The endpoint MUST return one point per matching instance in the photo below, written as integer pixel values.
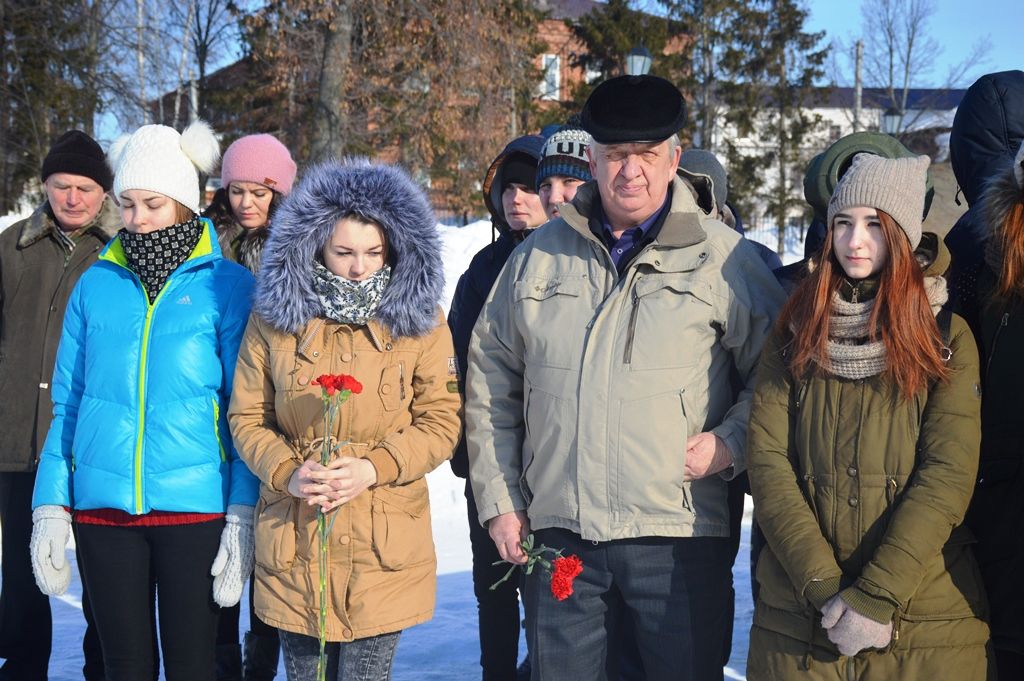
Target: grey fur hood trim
(106, 223)
(305, 221)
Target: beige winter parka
(405, 422)
(584, 385)
(381, 573)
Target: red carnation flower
(332, 383)
(565, 570)
(350, 383)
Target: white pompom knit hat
(159, 159)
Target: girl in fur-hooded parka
(862, 446)
(350, 284)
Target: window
(550, 86)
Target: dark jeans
(365, 659)
(499, 609)
(121, 566)
(675, 591)
(26, 626)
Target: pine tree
(775, 63)
(610, 31)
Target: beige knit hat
(159, 159)
(894, 185)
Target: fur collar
(328, 192)
(1001, 194)
(42, 223)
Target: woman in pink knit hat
(257, 171)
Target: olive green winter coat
(858, 489)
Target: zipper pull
(1006, 319)
(854, 295)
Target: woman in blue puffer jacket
(139, 454)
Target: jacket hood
(531, 145)
(987, 130)
(41, 223)
(304, 223)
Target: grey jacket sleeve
(495, 427)
(754, 301)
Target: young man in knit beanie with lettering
(563, 166)
(257, 172)
(41, 259)
(138, 454)
(863, 449)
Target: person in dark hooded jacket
(510, 183)
(987, 131)
(988, 290)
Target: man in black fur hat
(610, 377)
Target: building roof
(878, 98)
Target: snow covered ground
(447, 647)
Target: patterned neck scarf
(346, 301)
(154, 256)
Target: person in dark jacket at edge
(987, 287)
(41, 259)
(510, 194)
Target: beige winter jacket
(583, 386)
(406, 422)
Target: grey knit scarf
(851, 352)
(347, 301)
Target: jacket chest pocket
(395, 388)
(552, 314)
(670, 322)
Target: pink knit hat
(261, 159)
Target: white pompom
(116, 151)
(201, 146)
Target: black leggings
(120, 565)
(227, 627)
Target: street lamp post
(638, 61)
(891, 120)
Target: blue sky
(956, 25)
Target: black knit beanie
(519, 168)
(78, 154)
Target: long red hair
(901, 317)
(1011, 277)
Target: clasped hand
(330, 486)
(850, 631)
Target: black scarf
(155, 255)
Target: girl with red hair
(863, 447)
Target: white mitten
(51, 529)
(235, 557)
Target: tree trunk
(329, 116)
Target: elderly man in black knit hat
(41, 258)
(609, 384)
